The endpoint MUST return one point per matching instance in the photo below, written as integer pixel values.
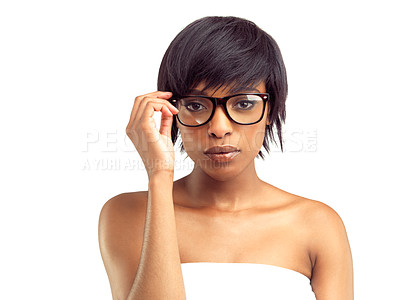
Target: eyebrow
(239, 90)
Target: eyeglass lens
(243, 109)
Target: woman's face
(220, 131)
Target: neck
(234, 194)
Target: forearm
(159, 274)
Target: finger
(163, 95)
(153, 106)
(139, 100)
(144, 103)
(166, 122)
(159, 94)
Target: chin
(218, 176)
(220, 171)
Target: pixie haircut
(226, 51)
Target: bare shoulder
(310, 212)
(320, 213)
(120, 215)
(121, 227)
(123, 201)
(329, 249)
(321, 220)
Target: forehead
(225, 90)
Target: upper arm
(332, 275)
(121, 227)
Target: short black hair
(226, 51)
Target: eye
(244, 104)
(194, 106)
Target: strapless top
(245, 281)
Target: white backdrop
(69, 73)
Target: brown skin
(229, 186)
(227, 214)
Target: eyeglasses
(243, 109)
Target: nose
(219, 125)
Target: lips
(225, 157)
(221, 149)
(224, 153)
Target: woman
(252, 239)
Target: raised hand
(155, 146)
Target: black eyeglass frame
(222, 101)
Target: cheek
(191, 139)
(261, 129)
(252, 139)
(249, 140)
(260, 135)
